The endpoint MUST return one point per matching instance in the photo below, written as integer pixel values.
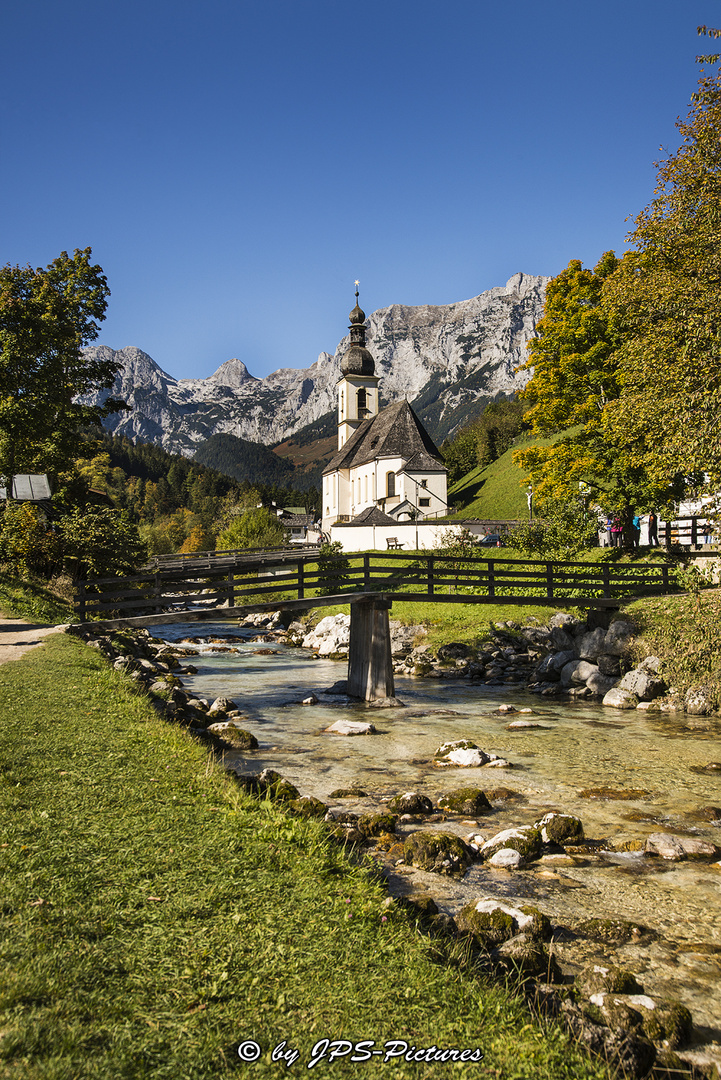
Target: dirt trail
(18, 637)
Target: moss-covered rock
(595, 979)
(275, 786)
(491, 922)
(465, 800)
(348, 793)
(376, 824)
(526, 840)
(411, 802)
(669, 1022)
(529, 959)
(462, 754)
(233, 736)
(614, 931)
(308, 807)
(560, 828)
(442, 853)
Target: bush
(563, 530)
(27, 542)
(256, 528)
(101, 543)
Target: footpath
(18, 637)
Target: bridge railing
(426, 576)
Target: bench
(393, 543)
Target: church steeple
(358, 385)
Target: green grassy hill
(498, 491)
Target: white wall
(413, 536)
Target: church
(387, 468)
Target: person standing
(636, 531)
(652, 530)
(617, 532)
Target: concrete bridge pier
(370, 667)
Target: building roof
(371, 516)
(395, 432)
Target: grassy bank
(153, 917)
(33, 601)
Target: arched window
(390, 484)
(362, 404)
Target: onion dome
(357, 360)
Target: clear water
(579, 747)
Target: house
(386, 458)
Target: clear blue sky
(236, 165)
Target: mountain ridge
(449, 359)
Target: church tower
(358, 384)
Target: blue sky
(235, 166)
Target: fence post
(301, 579)
(664, 577)
(156, 591)
(366, 572)
(491, 580)
(549, 581)
(231, 589)
(431, 582)
(694, 531)
(606, 581)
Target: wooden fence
(437, 578)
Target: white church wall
(414, 536)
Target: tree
(665, 303)
(256, 528)
(46, 317)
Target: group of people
(616, 528)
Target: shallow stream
(649, 757)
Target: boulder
(234, 736)
(560, 639)
(609, 665)
(331, 635)
(507, 859)
(462, 754)
(667, 1022)
(675, 848)
(456, 650)
(351, 727)
(644, 684)
(221, 706)
(630, 1054)
(591, 644)
(411, 802)
(618, 637)
(528, 958)
(492, 921)
(441, 853)
(526, 840)
(576, 672)
(600, 684)
(616, 698)
(697, 702)
(596, 978)
(560, 829)
(465, 800)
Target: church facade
(387, 466)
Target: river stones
(462, 753)
(507, 859)
(526, 840)
(351, 727)
(667, 1022)
(465, 800)
(675, 848)
(526, 957)
(377, 824)
(411, 802)
(560, 829)
(441, 853)
(616, 698)
(275, 786)
(221, 707)
(613, 931)
(353, 792)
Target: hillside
(497, 492)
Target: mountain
(448, 361)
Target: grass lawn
(153, 917)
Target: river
(578, 747)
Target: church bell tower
(358, 384)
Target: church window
(390, 484)
(362, 405)
(424, 502)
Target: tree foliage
(255, 528)
(46, 317)
(665, 301)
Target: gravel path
(18, 637)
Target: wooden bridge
(241, 583)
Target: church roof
(396, 431)
(370, 516)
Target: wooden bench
(393, 543)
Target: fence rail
(286, 576)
